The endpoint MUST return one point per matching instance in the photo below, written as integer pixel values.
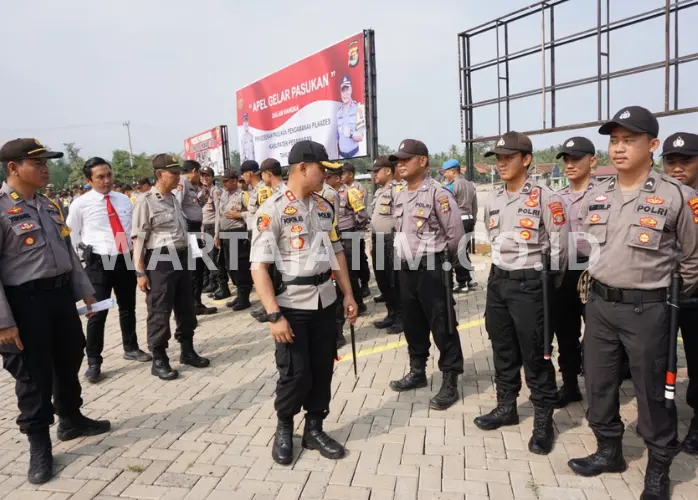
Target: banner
(320, 98)
(208, 148)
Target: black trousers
(364, 270)
(567, 310)
(198, 271)
(386, 277)
(54, 344)
(642, 330)
(305, 366)
(218, 276)
(424, 309)
(688, 322)
(514, 323)
(463, 275)
(170, 290)
(123, 282)
(237, 262)
(354, 271)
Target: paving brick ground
(207, 435)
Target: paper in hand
(194, 247)
(98, 306)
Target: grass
(136, 468)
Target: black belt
(436, 260)
(316, 280)
(625, 296)
(42, 284)
(517, 274)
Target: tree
(75, 163)
(235, 159)
(121, 164)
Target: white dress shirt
(89, 221)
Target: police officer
(160, 251)
(213, 278)
(579, 156)
(247, 149)
(231, 238)
(351, 122)
(637, 219)
(292, 230)
(353, 219)
(192, 200)
(428, 222)
(41, 338)
(680, 153)
(382, 242)
(466, 196)
(521, 218)
(348, 179)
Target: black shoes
(504, 414)
(161, 368)
(397, 326)
(210, 288)
(389, 320)
(93, 373)
(448, 394)
(569, 392)
(282, 450)
(458, 287)
(314, 438)
(242, 302)
(137, 355)
(81, 426)
(365, 291)
(690, 443)
(188, 356)
(415, 379)
(656, 478)
(607, 458)
(378, 299)
(223, 292)
(40, 458)
(362, 308)
(541, 442)
(201, 309)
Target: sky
(75, 70)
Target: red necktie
(116, 228)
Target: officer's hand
(10, 335)
(217, 242)
(88, 302)
(351, 311)
(144, 284)
(281, 331)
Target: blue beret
(450, 164)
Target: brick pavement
(207, 435)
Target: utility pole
(127, 124)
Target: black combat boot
(448, 394)
(656, 478)
(378, 299)
(223, 292)
(188, 356)
(314, 438)
(416, 378)
(341, 339)
(607, 458)
(389, 320)
(40, 457)
(210, 287)
(282, 451)
(242, 301)
(397, 326)
(569, 392)
(690, 443)
(93, 372)
(201, 309)
(504, 414)
(541, 442)
(161, 366)
(80, 426)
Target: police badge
(353, 53)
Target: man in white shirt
(101, 224)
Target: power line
(61, 127)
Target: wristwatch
(140, 273)
(274, 317)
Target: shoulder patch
(263, 221)
(558, 213)
(693, 205)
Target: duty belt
(316, 280)
(517, 274)
(625, 296)
(42, 284)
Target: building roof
(604, 171)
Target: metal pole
(127, 124)
(667, 54)
(542, 58)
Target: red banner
(207, 149)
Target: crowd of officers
(611, 247)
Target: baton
(353, 346)
(545, 281)
(675, 288)
(448, 288)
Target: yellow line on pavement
(401, 343)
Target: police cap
(409, 148)
(229, 174)
(681, 143)
(346, 82)
(22, 149)
(634, 118)
(167, 162)
(577, 147)
(511, 143)
(309, 152)
(449, 164)
(383, 162)
(206, 171)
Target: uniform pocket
(644, 237)
(283, 359)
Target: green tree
(75, 163)
(59, 173)
(121, 164)
(235, 159)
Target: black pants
(123, 282)
(387, 276)
(170, 290)
(688, 322)
(567, 310)
(239, 270)
(424, 310)
(354, 271)
(51, 332)
(642, 330)
(305, 366)
(514, 323)
(463, 275)
(198, 271)
(364, 270)
(218, 276)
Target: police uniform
(637, 233)
(247, 148)
(353, 218)
(287, 232)
(158, 219)
(686, 145)
(213, 278)
(383, 248)
(520, 226)
(350, 121)
(40, 280)
(466, 197)
(428, 222)
(364, 269)
(239, 270)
